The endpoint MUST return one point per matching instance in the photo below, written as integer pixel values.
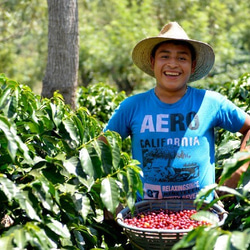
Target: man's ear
(193, 66)
(152, 60)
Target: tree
(109, 29)
(63, 50)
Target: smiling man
(172, 63)
(172, 125)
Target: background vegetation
(108, 31)
(52, 196)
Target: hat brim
(205, 57)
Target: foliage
(23, 37)
(100, 99)
(238, 91)
(57, 177)
(108, 31)
(234, 234)
(108, 59)
(119, 25)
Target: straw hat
(173, 31)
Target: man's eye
(182, 58)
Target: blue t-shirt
(175, 142)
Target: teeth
(171, 74)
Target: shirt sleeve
(231, 117)
(119, 121)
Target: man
(172, 125)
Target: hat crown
(173, 30)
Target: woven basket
(142, 238)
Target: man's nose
(172, 63)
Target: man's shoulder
(211, 94)
(139, 97)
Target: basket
(142, 238)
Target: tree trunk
(63, 50)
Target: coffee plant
(100, 99)
(56, 176)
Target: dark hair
(176, 42)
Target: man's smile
(167, 73)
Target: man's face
(172, 66)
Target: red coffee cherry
(165, 219)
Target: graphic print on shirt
(161, 154)
(157, 165)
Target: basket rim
(120, 216)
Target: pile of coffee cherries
(165, 219)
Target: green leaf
(233, 164)
(201, 196)
(227, 146)
(122, 177)
(106, 157)
(91, 161)
(10, 135)
(58, 228)
(57, 113)
(206, 240)
(10, 103)
(188, 239)
(223, 242)
(230, 191)
(80, 129)
(132, 180)
(37, 236)
(4, 97)
(89, 125)
(20, 239)
(14, 141)
(241, 240)
(84, 237)
(82, 204)
(114, 141)
(206, 216)
(72, 129)
(13, 104)
(43, 190)
(54, 175)
(86, 162)
(71, 165)
(6, 242)
(34, 127)
(79, 240)
(67, 204)
(110, 194)
(26, 204)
